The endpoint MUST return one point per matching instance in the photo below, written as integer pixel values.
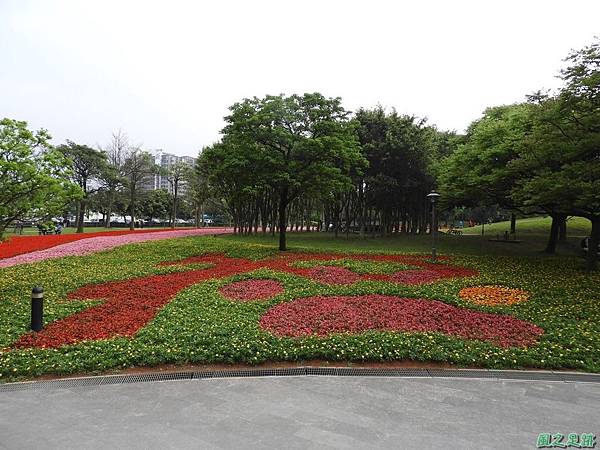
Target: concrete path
(299, 412)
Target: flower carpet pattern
(493, 295)
(323, 315)
(163, 303)
(249, 290)
(86, 243)
(129, 305)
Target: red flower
(333, 275)
(249, 290)
(323, 315)
(128, 305)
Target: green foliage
(562, 158)
(137, 167)
(305, 144)
(478, 173)
(87, 165)
(289, 146)
(156, 204)
(395, 148)
(34, 177)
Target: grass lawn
(576, 226)
(126, 307)
(531, 245)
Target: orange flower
(493, 295)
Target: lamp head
(433, 196)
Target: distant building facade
(161, 180)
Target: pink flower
(100, 243)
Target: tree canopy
(294, 146)
(87, 165)
(34, 177)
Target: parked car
(585, 245)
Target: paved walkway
(299, 412)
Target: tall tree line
(541, 156)
(307, 164)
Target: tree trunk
(80, 216)
(553, 238)
(132, 209)
(283, 200)
(592, 256)
(109, 207)
(174, 210)
(107, 218)
(562, 230)
(513, 223)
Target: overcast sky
(165, 72)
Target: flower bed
(127, 305)
(143, 311)
(17, 245)
(85, 244)
(416, 276)
(322, 316)
(249, 290)
(334, 269)
(493, 295)
(360, 266)
(333, 275)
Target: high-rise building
(165, 161)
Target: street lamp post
(433, 196)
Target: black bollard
(37, 309)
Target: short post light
(37, 309)
(433, 196)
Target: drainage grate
(524, 375)
(367, 372)
(303, 371)
(579, 377)
(460, 373)
(145, 377)
(62, 384)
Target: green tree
(563, 155)
(87, 165)
(34, 177)
(156, 204)
(112, 178)
(477, 173)
(198, 193)
(400, 150)
(138, 167)
(302, 144)
(481, 173)
(177, 174)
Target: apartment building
(165, 161)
